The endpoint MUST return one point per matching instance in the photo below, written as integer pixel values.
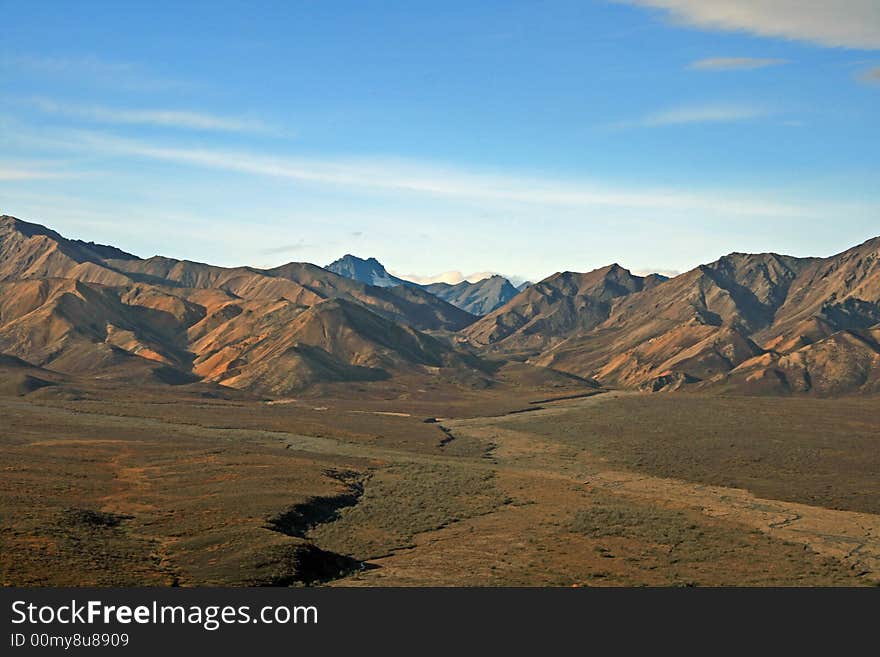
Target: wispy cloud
(453, 277)
(408, 177)
(669, 273)
(693, 114)
(833, 23)
(735, 63)
(21, 171)
(8, 173)
(85, 63)
(287, 248)
(92, 71)
(157, 117)
(870, 75)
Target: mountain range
(750, 323)
(80, 308)
(746, 322)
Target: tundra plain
(615, 488)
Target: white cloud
(157, 117)
(24, 171)
(833, 23)
(685, 115)
(501, 190)
(669, 273)
(7, 174)
(476, 277)
(451, 277)
(735, 63)
(287, 248)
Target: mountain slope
(334, 340)
(76, 327)
(841, 292)
(846, 361)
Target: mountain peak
(350, 257)
(85, 250)
(617, 270)
(369, 271)
(10, 223)
(613, 270)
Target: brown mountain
(82, 308)
(752, 323)
(30, 251)
(558, 306)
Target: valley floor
(610, 489)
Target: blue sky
(520, 137)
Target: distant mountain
(478, 298)
(369, 271)
(522, 286)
